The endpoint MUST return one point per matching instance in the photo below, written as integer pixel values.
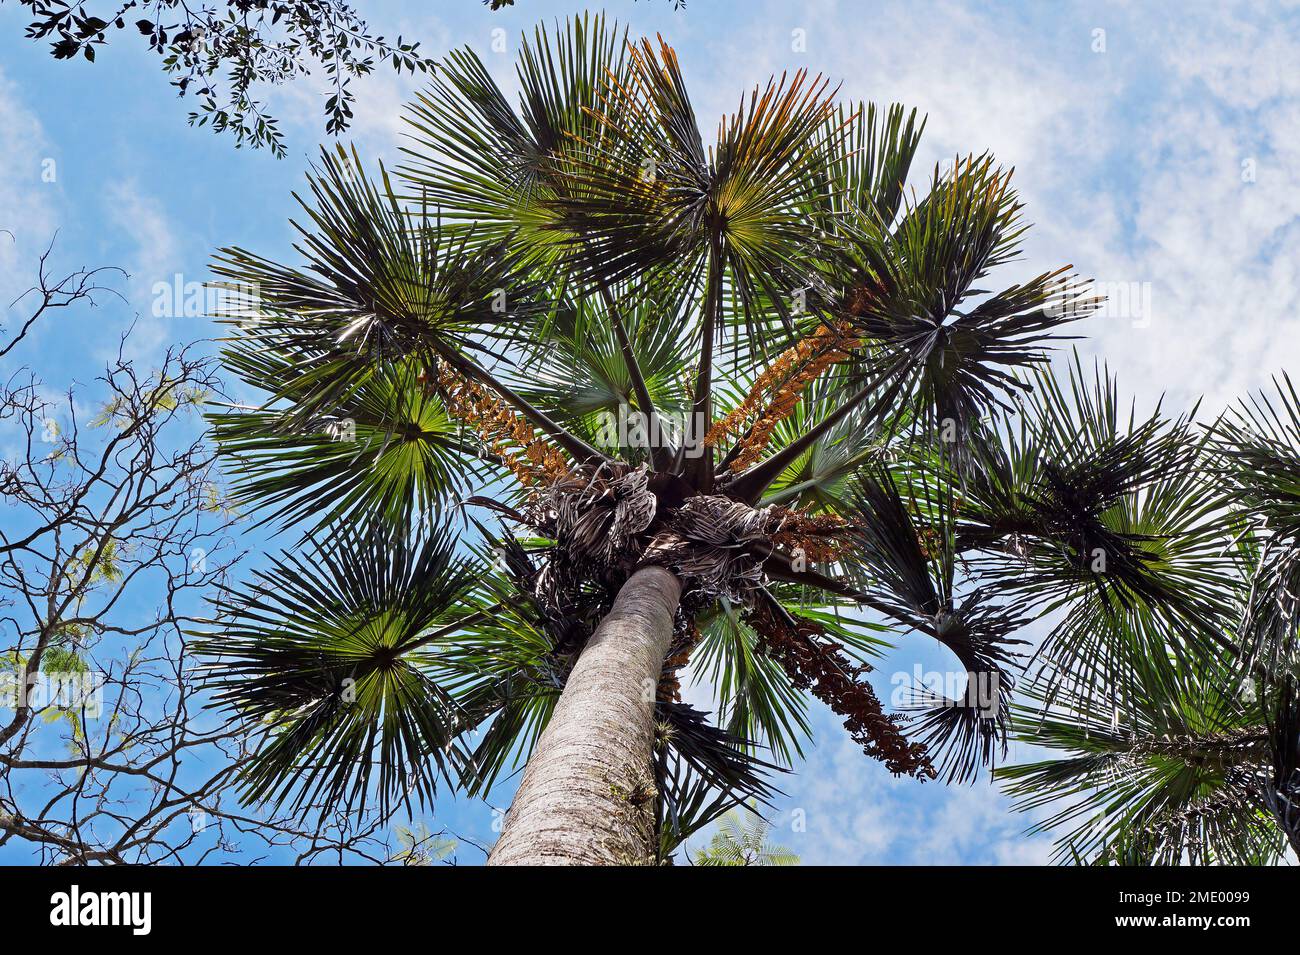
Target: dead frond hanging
(597, 521)
(716, 545)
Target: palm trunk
(587, 796)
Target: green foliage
(742, 840)
(419, 847)
(1171, 692)
(326, 651)
(386, 454)
(220, 53)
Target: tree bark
(587, 796)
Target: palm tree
(1181, 731)
(572, 401)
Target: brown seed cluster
(779, 388)
(819, 665)
(679, 655)
(533, 460)
(818, 538)
(868, 298)
(930, 542)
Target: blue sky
(1157, 149)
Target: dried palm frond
(679, 655)
(596, 532)
(597, 521)
(1282, 787)
(715, 545)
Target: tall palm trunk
(587, 796)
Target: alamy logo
(980, 691)
(103, 908)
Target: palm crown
(569, 341)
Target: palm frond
(738, 842)
(1167, 779)
(582, 375)
(912, 282)
(868, 155)
(380, 283)
(701, 771)
(1076, 506)
(481, 161)
(1282, 787)
(1257, 445)
(324, 650)
(756, 699)
(388, 453)
(821, 477)
(905, 559)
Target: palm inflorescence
(567, 338)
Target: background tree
(742, 841)
(575, 401)
(1181, 730)
(114, 527)
(222, 52)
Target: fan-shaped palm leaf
(387, 453)
(480, 161)
(905, 561)
(1258, 448)
(1077, 507)
(1164, 779)
(325, 650)
(740, 843)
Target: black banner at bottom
(176, 906)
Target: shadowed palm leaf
(326, 652)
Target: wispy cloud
(1148, 148)
(843, 809)
(154, 256)
(28, 189)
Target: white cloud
(1203, 203)
(27, 202)
(1213, 53)
(1129, 161)
(854, 813)
(145, 225)
(155, 256)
